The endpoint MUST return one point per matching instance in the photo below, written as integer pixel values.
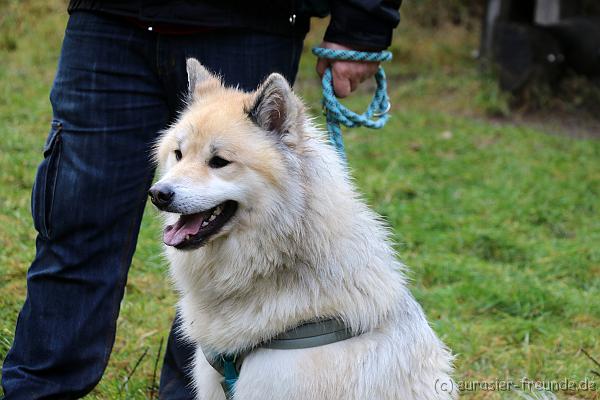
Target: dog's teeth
(218, 211)
(187, 237)
(204, 223)
(212, 217)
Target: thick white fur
(305, 247)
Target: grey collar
(304, 336)
(310, 334)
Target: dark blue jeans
(116, 87)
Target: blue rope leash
(336, 114)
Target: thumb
(341, 84)
(322, 65)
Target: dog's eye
(178, 155)
(217, 162)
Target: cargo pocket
(42, 197)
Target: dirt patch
(573, 125)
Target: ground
(495, 212)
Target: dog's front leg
(207, 381)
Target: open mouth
(193, 230)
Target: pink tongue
(186, 225)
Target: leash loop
(336, 114)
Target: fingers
(348, 75)
(342, 85)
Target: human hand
(347, 75)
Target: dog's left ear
(277, 110)
(200, 80)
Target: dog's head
(230, 157)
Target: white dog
(265, 232)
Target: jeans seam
(53, 186)
(49, 181)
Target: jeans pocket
(45, 181)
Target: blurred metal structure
(530, 40)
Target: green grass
(498, 220)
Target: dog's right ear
(200, 80)
(276, 109)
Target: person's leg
(242, 59)
(87, 203)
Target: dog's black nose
(161, 195)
